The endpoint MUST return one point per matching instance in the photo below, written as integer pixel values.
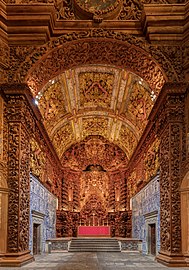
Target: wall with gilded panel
(145, 210)
(42, 211)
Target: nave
(94, 261)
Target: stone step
(94, 245)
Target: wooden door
(152, 239)
(36, 239)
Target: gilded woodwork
(51, 104)
(101, 53)
(63, 138)
(94, 182)
(95, 126)
(127, 140)
(139, 103)
(95, 89)
(1, 128)
(37, 160)
(151, 160)
(172, 134)
(97, 99)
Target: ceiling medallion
(97, 10)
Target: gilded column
(171, 130)
(3, 185)
(18, 180)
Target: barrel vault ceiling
(95, 100)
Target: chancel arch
(93, 115)
(95, 47)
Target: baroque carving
(37, 160)
(94, 150)
(127, 139)
(151, 160)
(95, 126)
(94, 212)
(97, 52)
(13, 184)
(95, 89)
(1, 128)
(51, 105)
(21, 124)
(4, 54)
(3, 175)
(63, 138)
(175, 57)
(64, 10)
(131, 10)
(164, 190)
(94, 182)
(139, 102)
(24, 191)
(147, 70)
(172, 152)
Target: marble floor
(94, 261)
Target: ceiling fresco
(95, 100)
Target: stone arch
(95, 46)
(185, 214)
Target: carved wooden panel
(103, 51)
(172, 152)
(14, 185)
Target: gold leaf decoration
(63, 137)
(95, 89)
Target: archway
(185, 214)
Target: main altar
(94, 202)
(93, 231)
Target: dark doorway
(152, 239)
(36, 239)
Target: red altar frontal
(97, 231)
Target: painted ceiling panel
(96, 100)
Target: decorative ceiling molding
(95, 100)
(134, 54)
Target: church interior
(94, 125)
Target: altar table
(94, 231)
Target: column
(18, 154)
(171, 130)
(3, 187)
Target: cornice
(26, 23)
(165, 23)
(3, 20)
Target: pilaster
(18, 180)
(171, 129)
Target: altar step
(94, 245)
